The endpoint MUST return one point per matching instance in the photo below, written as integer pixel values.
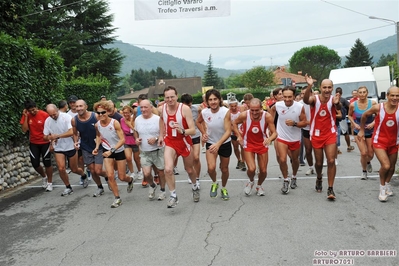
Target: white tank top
(284, 132)
(215, 124)
(109, 137)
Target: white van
(352, 78)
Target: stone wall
(15, 166)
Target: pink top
(127, 131)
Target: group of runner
(109, 142)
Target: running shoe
(44, 182)
(319, 184)
(144, 184)
(383, 195)
(350, 148)
(130, 187)
(116, 203)
(203, 150)
(243, 167)
(260, 191)
(151, 192)
(364, 176)
(196, 194)
(238, 165)
(248, 188)
(189, 180)
(197, 183)
(162, 195)
(310, 171)
(139, 175)
(175, 171)
(156, 179)
(49, 187)
(369, 168)
(286, 187)
(330, 194)
(293, 183)
(99, 192)
(339, 151)
(116, 175)
(325, 162)
(88, 173)
(85, 182)
(173, 201)
(67, 192)
(225, 194)
(109, 187)
(388, 189)
(214, 190)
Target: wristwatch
(294, 124)
(113, 150)
(183, 131)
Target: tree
(234, 81)
(383, 61)
(257, 77)
(317, 61)
(358, 56)
(79, 30)
(211, 77)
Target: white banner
(175, 9)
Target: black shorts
(233, 137)
(305, 133)
(68, 154)
(225, 149)
(37, 150)
(117, 156)
(196, 140)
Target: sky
(263, 32)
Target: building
(283, 78)
(133, 95)
(191, 86)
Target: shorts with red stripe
(390, 149)
(181, 146)
(321, 142)
(292, 145)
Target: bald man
(58, 130)
(323, 131)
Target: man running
(385, 138)
(255, 123)
(176, 125)
(323, 131)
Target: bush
(26, 72)
(89, 89)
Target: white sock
(173, 193)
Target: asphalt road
(300, 228)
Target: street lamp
(397, 35)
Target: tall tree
(79, 30)
(358, 56)
(384, 60)
(317, 61)
(211, 77)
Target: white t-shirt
(284, 132)
(72, 113)
(215, 124)
(57, 127)
(147, 128)
(307, 113)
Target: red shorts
(321, 142)
(257, 150)
(389, 149)
(292, 145)
(181, 146)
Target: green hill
(136, 58)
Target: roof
(133, 95)
(191, 85)
(280, 73)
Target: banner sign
(175, 9)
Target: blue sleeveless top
(87, 132)
(357, 113)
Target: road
(300, 228)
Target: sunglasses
(101, 113)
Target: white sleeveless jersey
(109, 137)
(215, 124)
(284, 132)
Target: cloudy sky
(263, 32)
